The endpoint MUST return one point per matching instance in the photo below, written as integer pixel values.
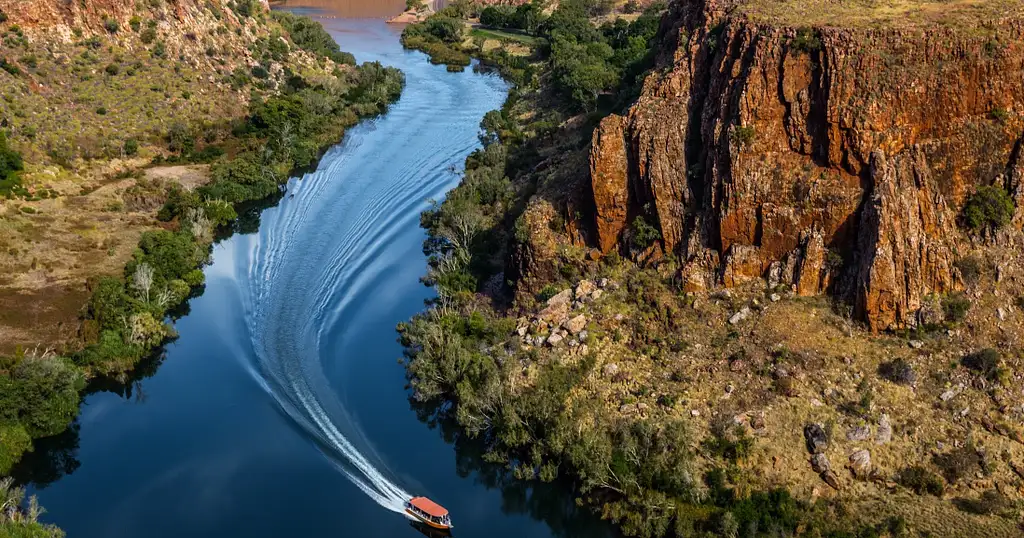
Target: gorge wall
(834, 158)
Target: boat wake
(330, 245)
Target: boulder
(562, 297)
(576, 324)
(860, 433)
(554, 313)
(816, 439)
(555, 339)
(884, 433)
(738, 317)
(610, 370)
(584, 289)
(860, 464)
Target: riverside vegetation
(676, 413)
(304, 93)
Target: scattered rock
(1001, 313)
(627, 409)
(562, 297)
(820, 463)
(610, 370)
(948, 395)
(602, 283)
(555, 339)
(738, 317)
(619, 317)
(816, 439)
(583, 335)
(722, 294)
(774, 297)
(816, 402)
(729, 388)
(596, 294)
(694, 413)
(641, 407)
(916, 344)
(555, 312)
(884, 433)
(737, 365)
(860, 433)
(860, 464)
(584, 289)
(522, 330)
(576, 324)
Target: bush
(985, 362)
(959, 463)
(113, 69)
(989, 208)
(644, 235)
(135, 23)
(920, 480)
(310, 35)
(14, 441)
(955, 306)
(131, 147)
(111, 25)
(990, 502)
(971, 268)
(148, 35)
(10, 160)
(446, 29)
(898, 371)
(806, 41)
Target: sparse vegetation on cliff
(642, 334)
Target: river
(281, 409)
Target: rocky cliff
(833, 158)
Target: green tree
(989, 208)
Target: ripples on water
(321, 247)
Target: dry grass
(706, 370)
(90, 229)
(883, 13)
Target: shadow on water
(550, 502)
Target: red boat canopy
(430, 507)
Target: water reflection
(550, 502)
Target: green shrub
(547, 292)
(644, 235)
(14, 441)
(135, 23)
(148, 35)
(743, 136)
(111, 25)
(112, 69)
(971, 268)
(898, 371)
(990, 502)
(131, 147)
(310, 35)
(955, 306)
(195, 277)
(920, 480)
(985, 362)
(958, 463)
(989, 208)
(806, 41)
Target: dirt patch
(50, 248)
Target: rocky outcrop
(830, 159)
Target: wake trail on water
(323, 246)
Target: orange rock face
(835, 166)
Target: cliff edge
(818, 146)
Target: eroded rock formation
(831, 159)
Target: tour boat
(429, 512)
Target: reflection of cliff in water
(349, 8)
(550, 502)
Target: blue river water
(281, 410)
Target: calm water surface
(281, 409)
